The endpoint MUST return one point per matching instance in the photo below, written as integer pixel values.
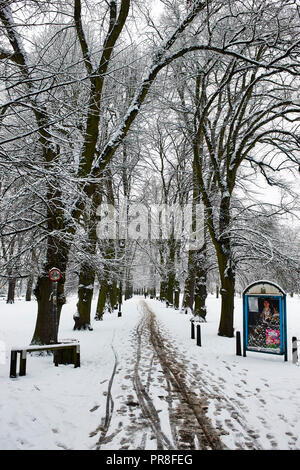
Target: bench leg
(55, 358)
(13, 364)
(77, 356)
(23, 363)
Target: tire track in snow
(196, 430)
(148, 409)
(189, 427)
(166, 411)
(106, 421)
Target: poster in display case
(264, 318)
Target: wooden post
(294, 350)
(54, 276)
(192, 329)
(119, 311)
(13, 364)
(120, 300)
(54, 311)
(198, 335)
(55, 358)
(76, 355)
(238, 344)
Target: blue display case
(264, 319)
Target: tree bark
(45, 331)
(82, 318)
(29, 289)
(101, 300)
(57, 252)
(189, 285)
(176, 297)
(195, 292)
(171, 273)
(162, 290)
(170, 288)
(227, 304)
(201, 285)
(11, 290)
(226, 270)
(113, 294)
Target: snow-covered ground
(253, 402)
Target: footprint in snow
(61, 445)
(94, 408)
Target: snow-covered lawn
(254, 399)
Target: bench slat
(44, 347)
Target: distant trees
(21, 228)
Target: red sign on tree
(54, 274)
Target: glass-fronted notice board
(264, 318)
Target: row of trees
(103, 101)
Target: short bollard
(238, 344)
(192, 329)
(198, 335)
(294, 350)
(13, 364)
(120, 300)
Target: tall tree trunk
(162, 290)
(82, 318)
(171, 273)
(45, 330)
(102, 295)
(11, 290)
(200, 283)
(57, 252)
(200, 296)
(162, 284)
(195, 289)
(106, 283)
(127, 289)
(29, 289)
(170, 288)
(226, 270)
(189, 285)
(113, 293)
(227, 301)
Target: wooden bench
(74, 346)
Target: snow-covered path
(158, 402)
(252, 403)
